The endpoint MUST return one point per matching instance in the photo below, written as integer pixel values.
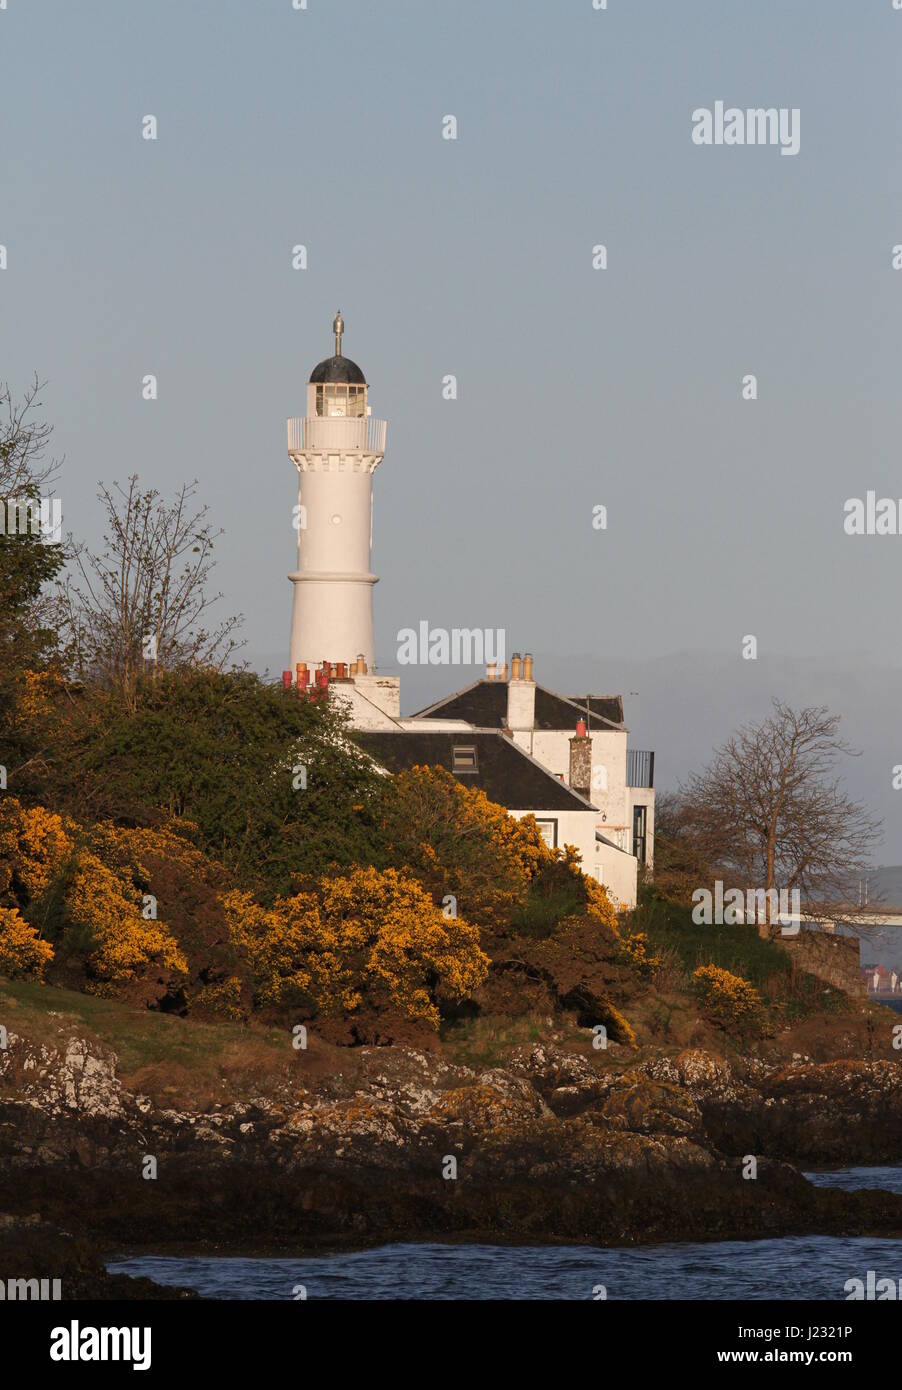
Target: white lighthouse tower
(336, 447)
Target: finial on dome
(338, 327)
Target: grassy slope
(175, 1060)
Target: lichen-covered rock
(558, 1145)
(567, 1081)
(652, 1107)
(80, 1075)
(483, 1108)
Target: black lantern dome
(337, 368)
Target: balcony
(640, 768)
(338, 434)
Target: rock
(567, 1081)
(556, 1145)
(32, 1249)
(650, 1107)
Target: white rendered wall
(618, 872)
(551, 747)
(362, 710)
(575, 828)
(332, 612)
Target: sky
(577, 387)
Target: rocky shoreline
(401, 1145)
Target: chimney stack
(581, 761)
(521, 695)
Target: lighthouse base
(332, 618)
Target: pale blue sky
(474, 258)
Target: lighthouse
(336, 448)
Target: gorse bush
(728, 1000)
(366, 940)
(85, 887)
(22, 952)
(223, 753)
(637, 951)
(167, 851)
(459, 843)
(498, 868)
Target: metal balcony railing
(640, 768)
(337, 433)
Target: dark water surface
(877, 1179)
(804, 1267)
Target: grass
(485, 1042)
(765, 964)
(170, 1058)
(737, 949)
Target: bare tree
(23, 443)
(142, 605)
(770, 809)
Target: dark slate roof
(505, 773)
(609, 707)
(338, 369)
(485, 704)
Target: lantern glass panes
(338, 398)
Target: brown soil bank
(399, 1144)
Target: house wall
(619, 874)
(368, 700)
(551, 747)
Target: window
(337, 398)
(463, 759)
(548, 831)
(639, 822)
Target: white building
(563, 759)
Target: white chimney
(521, 696)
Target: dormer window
(463, 758)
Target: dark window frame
(468, 750)
(640, 838)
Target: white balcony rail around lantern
(336, 434)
